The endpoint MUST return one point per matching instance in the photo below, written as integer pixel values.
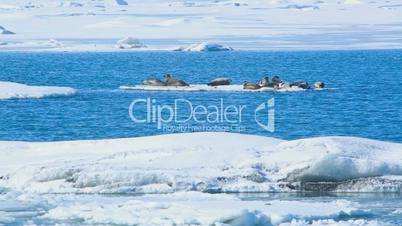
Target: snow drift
(11, 90)
(182, 162)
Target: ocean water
(366, 100)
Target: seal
(220, 82)
(265, 82)
(252, 86)
(170, 81)
(276, 80)
(300, 84)
(319, 85)
(153, 82)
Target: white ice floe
(206, 88)
(182, 162)
(180, 208)
(11, 90)
(129, 43)
(194, 208)
(205, 47)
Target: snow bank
(205, 47)
(129, 43)
(206, 88)
(11, 90)
(181, 162)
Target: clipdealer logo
(186, 116)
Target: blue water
(367, 101)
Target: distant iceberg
(4, 31)
(130, 43)
(182, 162)
(11, 90)
(205, 47)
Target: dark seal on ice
(251, 86)
(170, 81)
(220, 82)
(319, 85)
(153, 82)
(300, 84)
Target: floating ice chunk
(129, 43)
(206, 88)
(11, 90)
(301, 7)
(4, 31)
(205, 47)
(194, 208)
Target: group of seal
(169, 81)
(275, 83)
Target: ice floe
(182, 162)
(205, 47)
(130, 43)
(194, 208)
(206, 88)
(11, 90)
(180, 208)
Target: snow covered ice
(205, 47)
(206, 88)
(193, 208)
(11, 90)
(177, 170)
(181, 162)
(129, 43)
(166, 25)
